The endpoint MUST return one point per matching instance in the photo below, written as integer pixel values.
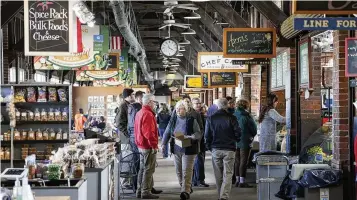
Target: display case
(318, 147)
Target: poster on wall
(214, 62)
(49, 28)
(249, 42)
(305, 64)
(88, 59)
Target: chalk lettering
(344, 6)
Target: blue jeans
(135, 149)
(199, 169)
(166, 152)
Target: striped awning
(287, 28)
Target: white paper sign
(324, 194)
(214, 62)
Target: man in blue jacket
(222, 132)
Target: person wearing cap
(122, 120)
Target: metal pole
(297, 99)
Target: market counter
(103, 182)
(53, 198)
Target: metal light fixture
(189, 32)
(193, 15)
(199, 0)
(217, 21)
(179, 54)
(182, 49)
(184, 42)
(201, 42)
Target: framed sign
(331, 7)
(214, 62)
(223, 79)
(249, 42)
(351, 57)
(305, 70)
(205, 80)
(49, 28)
(193, 81)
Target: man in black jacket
(221, 135)
(122, 120)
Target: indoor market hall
(185, 99)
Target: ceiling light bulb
(179, 54)
(184, 42)
(189, 32)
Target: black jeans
(199, 169)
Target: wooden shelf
(35, 142)
(41, 122)
(41, 103)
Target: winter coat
(145, 129)
(163, 120)
(248, 128)
(133, 109)
(267, 138)
(222, 131)
(122, 119)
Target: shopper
(267, 119)
(199, 167)
(122, 119)
(163, 119)
(184, 157)
(133, 109)
(79, 121)
(248, 131)
(146, 138)
(101, 125)
(222, 132)
(231, 104)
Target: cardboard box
(186, 142)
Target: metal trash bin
(271, 170)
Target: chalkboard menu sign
(273, 73)
(249, 43)
(223, 79)
(279, 71)
(305, 64)
(337, 7)
(48, 28)
(351, 57)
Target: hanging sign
(332, 7)
(305, 64)
(249, 42)
(49, 28)
(330, 23)
(251, 62)
(95, 75)
(214, 62)
(193, 81)
(223, 79)
(351, 57)
(205, 80)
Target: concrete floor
(166, 180)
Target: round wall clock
(169, 47)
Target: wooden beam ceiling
(207, 20)
(271, 11)
(206, 38)
(229, 14)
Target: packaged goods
(31, 94)
(52, 94)
(62, 94)
(44, 116)
(42, 94)
(20, 95)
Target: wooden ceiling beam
(195, 44)
(229, 14)
(271, 11)
(206, 38)
(157, 34)
(207, 20)
(152, 7)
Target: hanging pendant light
(184, 42)
(179, 54)
(193, 15)
(189, 31)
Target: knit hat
(127, 92)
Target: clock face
(169, 47)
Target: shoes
(236, 184)
(184, 196)
(154, 191)
(244, 185)
(138, 195)
(202, 184)
(149, 196)
(191, 191)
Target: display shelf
(41, 103)
(35, 141)
(42, 122)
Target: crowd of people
(226, 129)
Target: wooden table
(53, 198)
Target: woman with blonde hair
(248, 131)
(183, 123)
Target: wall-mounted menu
(286, 64)
(351, 57)
(223, 79)
(304, 64)
(48, 27)
(279, 71)
(249, 43)
(273, 72)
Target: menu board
(48, 27)
(273, 73)
(304, 64)
(351, 57)
(279, 71)
(286, 62)
(249, 43)
(223, 79)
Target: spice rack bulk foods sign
(49, 28)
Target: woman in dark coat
(248, 132)
(163, 119)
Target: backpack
(132, 110)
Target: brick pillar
(293, 96)
(255, 89)
(340, 101)
(311, 107)
(224, 92)
(233, 94)
(215, 93)
(210, 97)
(246, 93)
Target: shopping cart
(271, 170)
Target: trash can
(271, 168)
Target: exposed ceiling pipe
(135, 48)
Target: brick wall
(210, 97)
(215, 93)
(311, 107)
(224, 92)
(255, 89)
(246, 93)
(340, 127)
(293, 141)
(327, 70)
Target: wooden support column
(210, 97)
(215, 93)
(224, 92)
